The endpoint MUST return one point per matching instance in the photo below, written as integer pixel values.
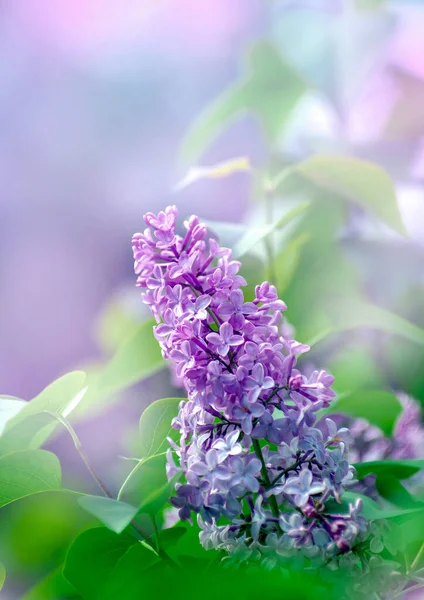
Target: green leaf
(136, 359)
(360, 314)
(28, 472)
(253, 235)
(53, 586)
(147, 486)
(91, 558)
(155, 426)
(217, 171)
(401, 469)
(357, 181)
(2, 575)
(371, 510)
(112, 513)
(125, 580)
(390, 488)
(269, 90)
(32, 425)
(9, 408)
(170, 537)
(379, 407)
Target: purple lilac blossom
(258, 474)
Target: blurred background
(96, 101)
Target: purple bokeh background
(95, 100)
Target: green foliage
(155, 426)
(400, 469)
(356, 181)
(28, 472)
(379, 407)
(9, 408)
(112, 513)
(53, 586)
(91, 558)
(33, 424)
(2, 575)
(267, 71)
(147, 486)
(137, 358)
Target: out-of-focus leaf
(361, 314)
(117, 321)
(218, 171)
(147, 486)
(369, 4)
(356, 181)
(2, 575)
(9, 408)
(270, 91)
(125, 580)
(287, 260)
(114, 514)
(155, 426)
(391, 489)
(91, 558)
(400, 469)
(51, 587)
(170, 537)
(136, 359)
(28, 472)
(354, 368)
(371, 510)
(254, 235)
(379, 407)
(32, 425)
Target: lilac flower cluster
(370, 443)
(258, 473)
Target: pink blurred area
(95, 98)
(97, 29)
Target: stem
(407, 591)
(265, 476)
(81, 452)
(78, 446)
(268, 240)
(417, 558)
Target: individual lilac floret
(256, 470)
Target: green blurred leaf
(356, 181)
(136, 359)
(53, 586)
(379, 407)
(2, 575)
(147, 486)
(217, 171)
(390, 488)
(370, 509)
(155, 426)
(270, 90)
(32, 425)
(114, 514)
(91, 558)
(28, 472)
(353, 314)
(9, 408)
(354, 367)
(253, 235)
(287, 260)
(125, 580)
(170, 537)
(400, 469)
(115, 323)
